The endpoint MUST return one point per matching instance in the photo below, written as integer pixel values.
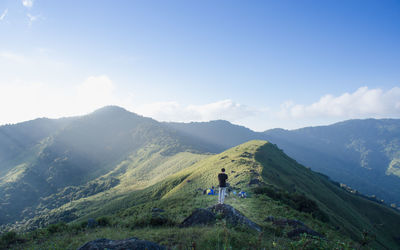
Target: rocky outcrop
(233, 216)
(298, 227)
(128, 244)
(200, 216)
(208, 216)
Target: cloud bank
(20, 102)
(25, 101)
(173, 111)
(363, 103)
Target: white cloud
(13, 58)
(95, 92)
(21, 101)
(3, 15)
(363, 103)
(173, 111)
(27, 3)
(32, 18)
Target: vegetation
(143, 178)
(364, 154)
(110, 151)
(156, 212)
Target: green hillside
(363, 154)
(280, 189)
(360, 153)
(19, 141)
(81, 159)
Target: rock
(132, 243)
(200, 216)
(284, 222)
(91, 223)
(233, 216)
(157, 210)
(254, 182)
(246, 155)
(295, 223)
(270, 218)
(208, 216)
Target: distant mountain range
(65, 169)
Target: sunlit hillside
(277, 187)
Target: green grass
(350, 214)
(179, 194)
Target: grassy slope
(350, 213)
(140, 170)
(181, 193)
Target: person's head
(223, 170)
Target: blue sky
(261, 64)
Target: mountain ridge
(285, 192)
(78, 165)
(81, 150)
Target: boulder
(208, 216)
(200, 216)
(233, 216)
(255, 182)
(128, 244)
(284, 222)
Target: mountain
(48, 163)
(284, 198)
(363, 154)
(134, 175)
(18, 141)
(221, 133)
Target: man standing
(222, 177)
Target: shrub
(269, 191)
(303, 204)
(158, 221)
(83, 224)
(78, 227)
(297, 201)
(55, 228)
(9, 238)
(103, 221)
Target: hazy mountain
(43, 157)
(361, 153)
(19, 140)
(221, 133)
